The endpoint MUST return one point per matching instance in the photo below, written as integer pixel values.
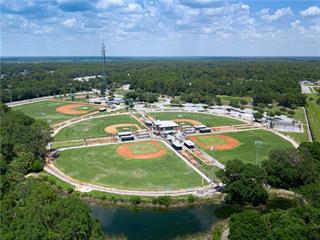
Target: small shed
(189, 144)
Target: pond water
(170, 223)
(158, 224)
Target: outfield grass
(93, 127)
(46, 110)
(246, 151)
(313, 111)
(206, 119)
(102, 165)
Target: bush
(69, 189)
(162, 200)
(243, 102)
(191, 198)
(135, 200)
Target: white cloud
(105, 4)
(278, 14)
(70, 23)
(310, 12)
(132, 8)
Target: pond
(158, 224)
(170, 223)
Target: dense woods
(30, 209)
(196, 80)
(297, 170)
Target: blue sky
(160, 28)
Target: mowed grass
(313, 111)
(206, 119)
(46, 110)
(102, 165)
(246, 151)
(299, 116)
(93, 127)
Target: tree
(248, 225)
(244, 183)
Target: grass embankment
(246, 151)
(46, 110)
(299, 116)
(93, 127)
(103, 165)
(313, 111)
(206, 119)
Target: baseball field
(99, 127)
(141, 165)
(240, 145)
(55, 111)
(190, 118)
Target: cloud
(278, 14)
(105, 4)
(310, 12)
(70, 23)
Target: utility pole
(104, 71)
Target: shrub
(135, 200)
(191, 198)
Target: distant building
(164, 127)
(86, 78)
(305, 82)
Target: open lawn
(227, 99)
(46, 110)
(313, 111)
(94, 127)
(103, 165)
(206, 119)
(246, 151)
(299, 116)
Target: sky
(160, 27)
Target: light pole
(258, 145)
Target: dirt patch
(112, 129)
(70, 109)
(125, 151)
(223, 128)
(190, 121)
(231, 142)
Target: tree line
(195, 80)
(297, 170)
(30, 208)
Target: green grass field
(206, 119)
(227, 99)
(46, 110)
(102, 165)
(247, 150)
(299, 116)
(313, 110)
(93, 127)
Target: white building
(164, 127)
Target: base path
(112, 129)
(70, 109)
